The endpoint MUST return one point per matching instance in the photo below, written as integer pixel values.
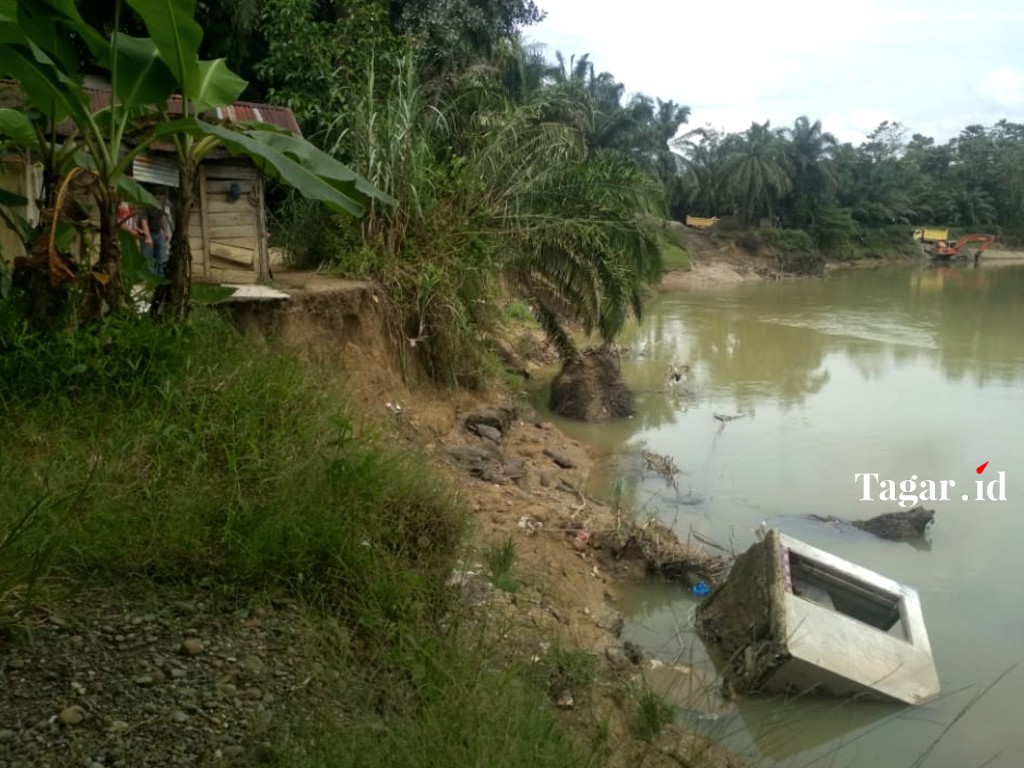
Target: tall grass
(149, 455)
(197, 458)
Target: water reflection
(660, 618)
(900, 371)
(780, 729)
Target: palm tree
(756, 172)
(579, 71)
(566, 219)
(971, 206)
(580, 246)
(809, 153)
(528, 198)
(521, 69)
(700, 153)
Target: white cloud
(737, 61)
(1005, 87)
(855, 125)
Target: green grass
(192, 457)
(652, 713)
(563, 670)
(520, 313)
(146, 458)
(673, 257)
(469, 710)
(500, 559)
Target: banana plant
(144, 74)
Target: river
(899, 371)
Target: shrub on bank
(789, 241)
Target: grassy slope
(152, 458)
(673, 257)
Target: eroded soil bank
(183, 678)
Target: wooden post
(204, 222)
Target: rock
(560, 459)
(72, 715)
(177, 716)
(227, 689)
(253, 664)
(591, 388)
(149, 678)
(895, 526)
(234, 751)
(611, 622)
(6, 735)
(633, 652)
(497, 417)
(565, 700)
(16, 664)
(118, 726)
(898, 526)
(488, 433)
(515, 469)
(192, 646)
(470, 455)
(617, 658)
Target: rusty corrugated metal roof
(99, 97)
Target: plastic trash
(700, 589)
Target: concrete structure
(794, 618)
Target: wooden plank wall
(227, 241)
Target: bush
(835, 231)
(789, 240)
(887, 242)
(520, 313)
(802, 263)
(751, 242)
(310, 234)
(561, 670)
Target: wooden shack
(228, 229)
(228, 233)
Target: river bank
(526, 483)
(192, 657)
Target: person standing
(157, 235)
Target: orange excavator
(943, 250)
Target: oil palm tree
(701, 154)
(809, 153)
(527, 198)
(756, 172)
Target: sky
(936, 66)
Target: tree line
(803, 178)
(477, 165)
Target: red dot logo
(981, 469)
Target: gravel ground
(129, 684)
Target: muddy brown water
(903, 371)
